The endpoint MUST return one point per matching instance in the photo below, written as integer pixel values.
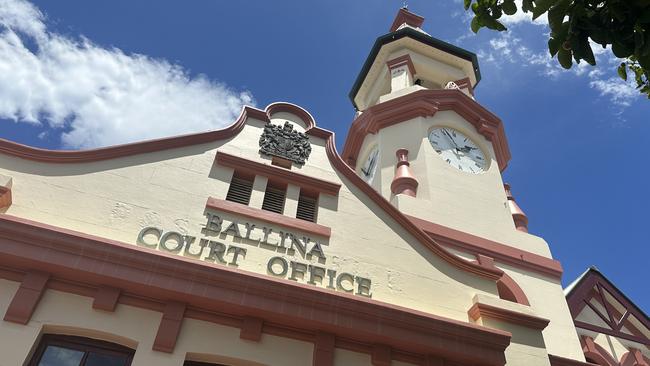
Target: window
(57, 350)
(307, 207)
(240, 189)
(274, 198)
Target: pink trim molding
(518, 215)
(479, 310)
(501, 252)
(79, 263)
(106, 298)
(404, 181)
(26, 299)
(170, 327)
(405, 16)
(401, 61)
(561, 361)
(426, 103)
(268, 216)
(5, 196)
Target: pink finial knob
(404, 181)
(518, 215)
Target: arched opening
(509, 290)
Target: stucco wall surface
(117, 198)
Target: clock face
(370, 165)
(458, 150)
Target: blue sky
(79, 74)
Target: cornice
(499, 251)
(72, 257)
(480, 310)
(268, 216)
(426, 103)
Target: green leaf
(467, 4)
(557, 13)
(527, 5)
(585, 51)
(475, 24)
(622, 71)
(620, 50)
(554, 45)
(564, 57)
(542, 6)
(509, 7)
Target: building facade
(260, 244)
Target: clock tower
(424, 143)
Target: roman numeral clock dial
(458, 150)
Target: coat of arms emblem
(285, 143)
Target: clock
(370, 165)
(458, 150)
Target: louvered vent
(306, 208)
(240, 190)
(274, 200)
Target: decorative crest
(285, 143)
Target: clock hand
(450, 138)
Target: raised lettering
(297, 244)
(176, 238)
(213, 225)
(233, 229)
(317, 250)
(188, 245)
(345, 277)
(236, 251)
(296, 268)
(249, 228)
(316, 273)
(149, 231)
(217, 250)
(363, 286)
(277, 260)
(332, 275)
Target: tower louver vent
(306, 208)
(274, 200)
(240, 190)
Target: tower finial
(404, 16)
(405, 4)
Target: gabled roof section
(612, 312)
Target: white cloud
(100, 96)
(506, 49)
(521, 17)
(622, 93)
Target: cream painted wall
(430, 64)
(473, 203)
(116, 198)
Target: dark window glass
(55, 350)
(98, 359)
(59, 356)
